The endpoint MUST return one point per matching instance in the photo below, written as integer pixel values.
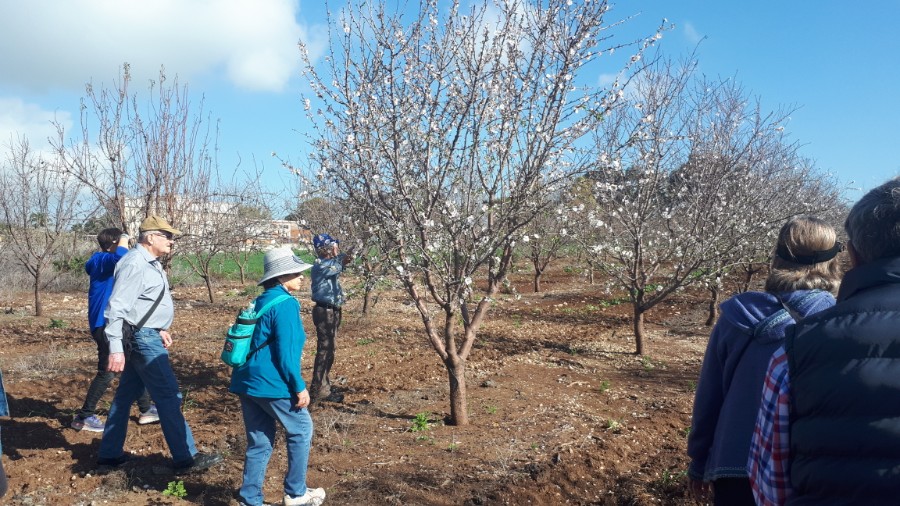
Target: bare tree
(448, 131)
(140, 155)
(39, 206)
(252, 227)
(222, 218)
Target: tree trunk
(713, 305)
(367, 300)
(537, 281)
(457, 372)
(243, 275)
(591, 274)
(638, 330)
(749, 277)
(38, 306)
(209, 290)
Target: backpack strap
(156, 302)
(778, 317)
(803, 303)
(276, 300)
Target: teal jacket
(273, 372)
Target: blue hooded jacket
(751, 327)
(101, 267)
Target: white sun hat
(281, 261)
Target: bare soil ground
(562, 411)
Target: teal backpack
(237, 340)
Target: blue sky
(837, 63)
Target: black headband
(817, 257)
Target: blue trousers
(260, 416)
(147, 366)
(4, 406)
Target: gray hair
(873, 225)
(142, 237)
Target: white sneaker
(312, 497)
(149, 416)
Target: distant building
(274, 233)
(202, 218)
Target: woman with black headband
(803, 273)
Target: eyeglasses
(167, 235)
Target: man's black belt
(328, 306)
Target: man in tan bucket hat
(138, 316)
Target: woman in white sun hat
(271, 388)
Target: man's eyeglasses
(167, 235)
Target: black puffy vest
(844, 367)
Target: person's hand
(301, 399)
(116, 362)
(166, 338)
(699, 490)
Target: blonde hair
(804, 236)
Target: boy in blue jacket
(101, 267)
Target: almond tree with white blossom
(544, 240)
(704, 172)
(783, 187)
(448, 130)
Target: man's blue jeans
(147, 366)
(260, 416)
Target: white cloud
(691, 33)
(605, 80)
(61, 45)
(19, 119)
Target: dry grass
(56, 361)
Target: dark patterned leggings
(327, 321)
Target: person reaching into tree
(328, 296)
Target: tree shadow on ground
(26, 407)
(19, 435)
(154, 473)
(364, 407)
(511, 346)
